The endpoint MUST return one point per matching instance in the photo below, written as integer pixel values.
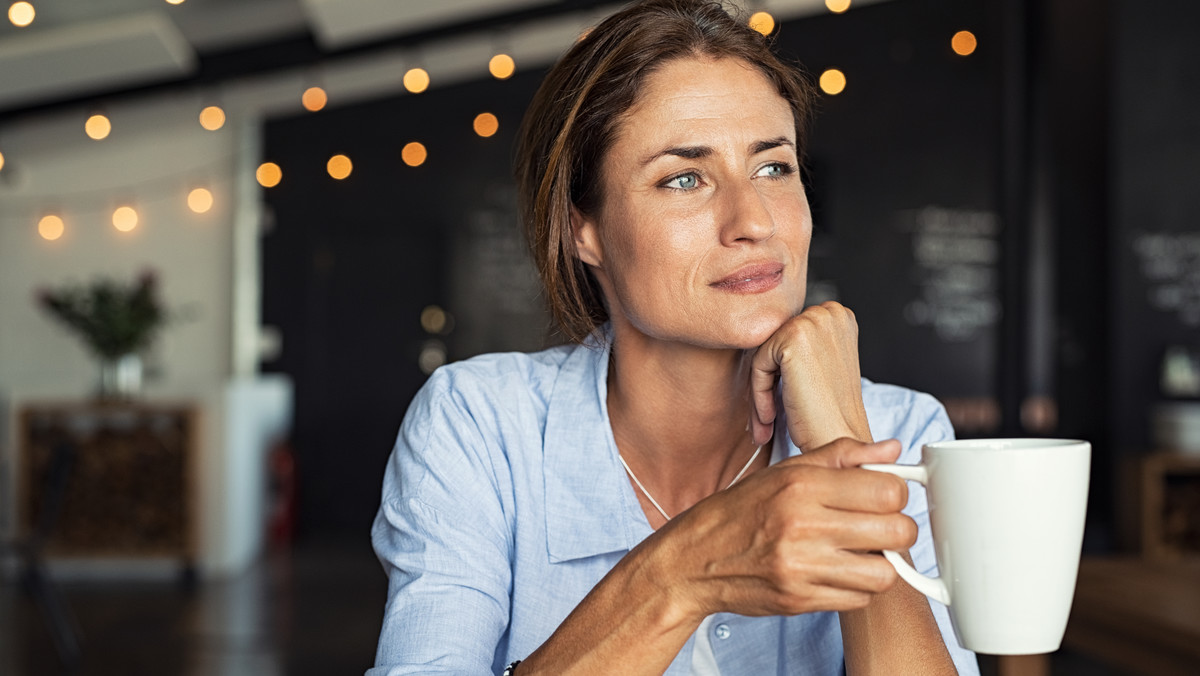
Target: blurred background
(237, 235)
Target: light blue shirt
(504, 503)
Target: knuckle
(909, 532)
(883, 576)
(901, 532)
(891, 494)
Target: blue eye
(682, 182)
(776, 170)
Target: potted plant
(116, 320)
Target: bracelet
(510, 669)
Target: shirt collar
(590, 506)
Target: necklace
(655, 502)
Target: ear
(587, 238)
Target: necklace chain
(655, 502)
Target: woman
(677, 492)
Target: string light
(963, 43)
(200, 200)
(21, 14)
(314, 99)
(212, 118)
(414, 154)
(125, 218)
(486, 124)
(833, 81)
(1, 161)
(502, 66)
(268, 174)
(433, 319)
(51, 227)
(174, 2)
(339, 166)
(837, 6)
(416, 80)
(98, 127)
(762, 22)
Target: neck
(679, 415)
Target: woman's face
(703, 231)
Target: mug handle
(933, 587)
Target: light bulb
(414, 154)
(97, 127)
(416, 80)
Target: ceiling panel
(92, 57)
(340, 23)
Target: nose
(745, 216)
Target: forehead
(695, 93)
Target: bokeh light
(174, 2)
(486, 124)
(502, 66)
(97, 127)
(762, 22)
(433, 355)
(200, 200)
(837, 6)
(51, 227)
(125, 218)
(1, 161)
(433, 319)
(833, 81)
(314, 99)
(414, 154)
(416, 80)
(963, 43)
(212, 118)
(21, 14)
(339, 166)
(268, 174)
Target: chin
(747, 333)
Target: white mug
(1007, 519)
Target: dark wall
(1155, 201)
(904, 175)
(349, 265)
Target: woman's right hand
(793, 538)
(789, 539)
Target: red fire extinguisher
(281, 518)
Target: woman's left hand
(815, 354)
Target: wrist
(675, 568)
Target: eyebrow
(697, 152)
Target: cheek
(649, 245)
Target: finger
(863, 532)
(826, 598)
(850, 490)
(846, 452)
(860, 572)
(764, 374)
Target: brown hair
(573, 119)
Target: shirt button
(722, 631)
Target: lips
(754, 278)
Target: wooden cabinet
(108, 479)
(1170, 499)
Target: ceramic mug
(1007, 519)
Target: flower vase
(120, 377)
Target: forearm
(633, 622)
(895, 634)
